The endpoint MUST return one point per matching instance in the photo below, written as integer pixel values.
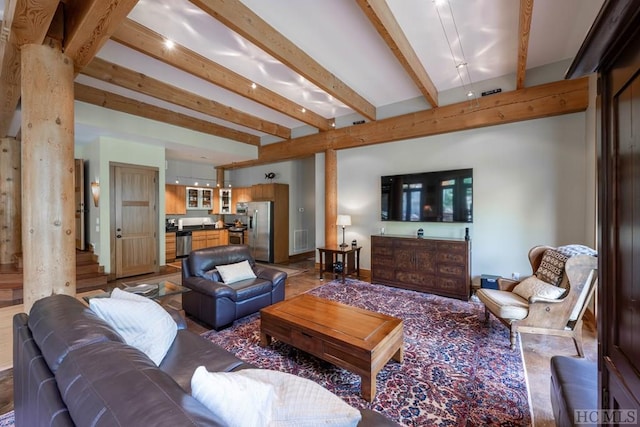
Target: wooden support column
(48, 217)
(220, 177)
(10, 200)
(330, 197)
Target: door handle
(118, 236)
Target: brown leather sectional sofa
(71, 368)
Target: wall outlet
(515, 275)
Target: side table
(349, 257)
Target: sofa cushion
(297, 402)
(113, 384)
(534, 287)
(142, 322)
(60, 323)
(190, 350)
(247, 289)
(551, 267)
(236, 272)
(505, 305)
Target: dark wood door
(620, 230)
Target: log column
(48, 198)
(330, 197)
(10, 238)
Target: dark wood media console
(437, 266)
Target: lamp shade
(343, 220)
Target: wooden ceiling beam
(524, 27)
(123, 104)
(246, 23)
(386, 25)
(142, 39)
(552, 99)
(25, 22)
(138, 82)
(89, 24)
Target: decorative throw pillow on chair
(551, 267)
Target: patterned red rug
(456, 370)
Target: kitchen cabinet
(437, 266)
(199, 198)
(240, 195)
(201, 239)
(225, 200)
(263, 192)
(174, 199)
(170, 247)
(198, 239)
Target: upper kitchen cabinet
(199, 198)
(225, 200)
(263, 192)
(240, 195)
(174, 199)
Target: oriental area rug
(456, 370)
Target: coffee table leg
(368, 387)
(265, 339)
(399, 355)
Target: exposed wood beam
(524, 27)
(385, 23)
(245, 22)
(132, 80)
(131, 106)
(89, 24)
(552, 99)
(142, 39)
(25, 22)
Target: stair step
(89, 275)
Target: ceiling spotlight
(304, 110)
(253, 85)
(460, 65)
(195, 183)
(177, 182)
(333, 124)
(470, 94)
(169, 44)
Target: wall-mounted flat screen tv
(443, 196)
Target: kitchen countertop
(201, 227)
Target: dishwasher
(183, 243)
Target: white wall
(533, 184)
(300, 176)
(99, 155)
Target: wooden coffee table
(360, 341)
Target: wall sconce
(343, 220)
(95, 192)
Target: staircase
(89, 275)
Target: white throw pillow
(141, 322)
(232, 273)
(532, 286)
(237, 399)
(295, 401)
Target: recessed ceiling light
(169, 44)
(253, 85)
(304, 110)
(333, 124)
(195, 183)
(177, 182)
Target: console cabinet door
(427, 265)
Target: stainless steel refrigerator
(261, 230)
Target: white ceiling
(338, 35)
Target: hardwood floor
(537, 350)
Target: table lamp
(343, 220)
